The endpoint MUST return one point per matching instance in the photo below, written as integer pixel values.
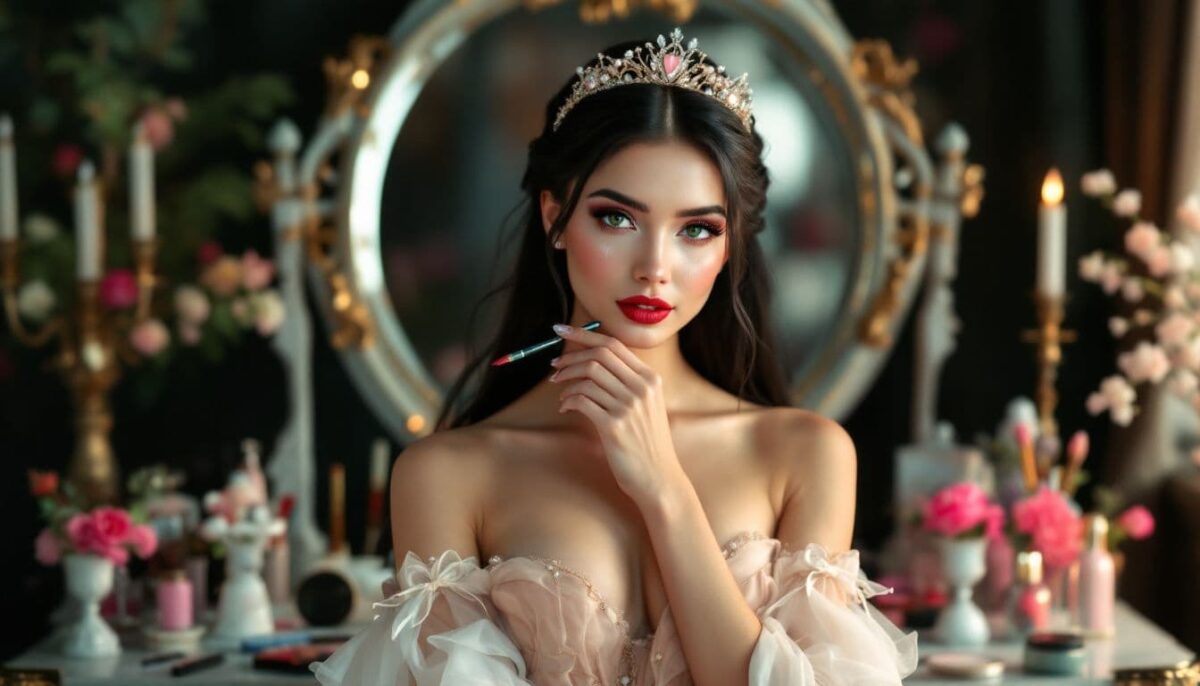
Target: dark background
(1027, 80)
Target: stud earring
(558, 244)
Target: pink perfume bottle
(1097, 579)
(1030, 598)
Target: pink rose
(1137, 522)
(144, 540)
(113, 524)
(66, 159)
(158, 128)
(256, 272)
(47, 547)
(956, 509)
(118, 289)
(994, 521)
(1142, 238)
(1055, 529)
(149, 337)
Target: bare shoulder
(806, 447)
(435, 487)
(815, 465)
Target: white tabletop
(1138, 643)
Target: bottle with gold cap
(1029, 598)
(1097, 579)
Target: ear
(550, 208)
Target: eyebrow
(642, 207)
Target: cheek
(699, 271)
(593, 259)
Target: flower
(1188, 212)
(1118, 326)
(1132, 290)
(1091, 266)
(43, 484)
(1111, 277)
(1183, 257)
(149, 337)
(66, 159)
(40, 228)
(269, 312)
(1137, 522)
(1146, 362)
(35, 300)
(189, 334)
(1098, 183)
(223, 276)
(100, 532)
(1175, 329)
(158, 128)
(1127, 203)
(191, 304)
(1142, 238)
(118, 289)
(961, 509)
(208, 253)
(1054, 527)
(1160, 261)
(47, 547)
(144, 540)
(256, 272)
(1116, 396)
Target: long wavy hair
(730, 342)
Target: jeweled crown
(669, 64)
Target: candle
(141, 186)
(1052, 237)
(89, 235)
(8, 181)
(174, 601)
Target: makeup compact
(965, 666)
(1060, 654)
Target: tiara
(670, 64)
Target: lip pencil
(525, 352)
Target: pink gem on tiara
(670, 64)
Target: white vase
(89, 579)
(961, 622)
(244, 608)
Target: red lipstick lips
(644, 310)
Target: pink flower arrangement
(1051, 524)
(962, 510)
(105, 531)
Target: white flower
(268, 311)
(1174, 298)
(1099, 182)
(1142, 239)
(1183, 382)
(1118, 326)
(1111, 277)
(1116, 396)
(1091, 267)
(35, 300)
(1183, 258)
(192, 305)
(1146, 362)
(1159, 262)
(1132, 289)
(1188, 212)
(41, 228)
(1127, 203)
(1123, 415)
(1175, 330)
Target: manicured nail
(561, 329)
(554, 362)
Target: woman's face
(651, 221)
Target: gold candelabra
(92, 343)
(1049, 338)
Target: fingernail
(561, 329)
(554, 362)
(554, 376)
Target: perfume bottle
(1097, 579)
(1029, 599)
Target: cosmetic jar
(1061, 654)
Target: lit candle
(1052, 237)
(89, 234)
(141, 186)
(8, 181)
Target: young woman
(651, 509)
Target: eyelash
(713, 230)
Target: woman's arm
(708, 606)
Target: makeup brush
(537, 347)
(1028, 466)
(1077, 451)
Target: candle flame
(1052, 188)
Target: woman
(653, 512)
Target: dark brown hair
(730, 341)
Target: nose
(652, 264)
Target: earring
(558, 244)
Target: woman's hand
(623, 398)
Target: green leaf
(177, 59)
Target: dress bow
(421, 580)
(842, 569)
